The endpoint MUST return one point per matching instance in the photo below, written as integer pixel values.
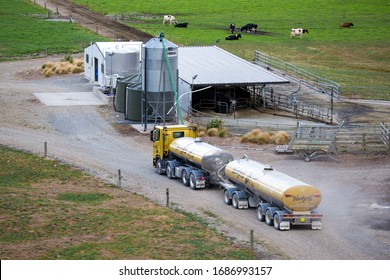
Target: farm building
(104, 59)
(199, 78)
(217, 79)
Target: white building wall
(95, 60)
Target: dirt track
(93, 21)
(356, 192)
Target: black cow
(232, 27)
(184, 24)
(250, 27)
(233, 37)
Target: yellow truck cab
(162, 137)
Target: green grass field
(53, 211)
(357, 58)
(353, 57)
(26, 32)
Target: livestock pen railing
(351, 138)
(269, 99)
(322, 85)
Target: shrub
(223, 132)
(214, 123)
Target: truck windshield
(178, 134)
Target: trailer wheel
(192, 181)
(159, 166)
(169, 171)
(184, 178)
(268, 219)
(227, 199)
(260, 214)
(235, 201)
(276, 222)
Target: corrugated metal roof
(215, 66)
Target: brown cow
(346, 24)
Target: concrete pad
(69, 98)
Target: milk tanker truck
(280, 200)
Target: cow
(232, 27)
(169, 19)
(346, 24)
(250, 28)
(233, 37)
(298, 32)
(183, 24)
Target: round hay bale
(262, 138)
(212, 131)
(281, 138)
(256, 131)
(202, 134)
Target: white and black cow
(232, 27)
(169, 19)
(233, 37)
(250, 27)
(298, 32)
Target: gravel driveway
(356, 192)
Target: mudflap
(284, 225)
(242, 198)
(316, 225)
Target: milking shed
(189, 78)
(218, 80)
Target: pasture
(354, 57)
(26, 32)
(53, 211)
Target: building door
(96, 65)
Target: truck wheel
(227, 199)
(192, 181)
(276, 222)
(159, 166)
(268, 219)
(169, 171)
(235, 201)
(260, 214)
(184, 178)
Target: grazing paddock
(356, 56)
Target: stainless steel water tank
(122, 62)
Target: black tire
(184, 178)
(235, 201)
(276, 222)
(159, 167)
(169, 171)
(192, 181)
(226, 197)
(268, 218)
(260, 214)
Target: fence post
(251, 242)
(167, 193)
(45, 149)
(119, 178)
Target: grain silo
(159, 70)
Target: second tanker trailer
(280, 199)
